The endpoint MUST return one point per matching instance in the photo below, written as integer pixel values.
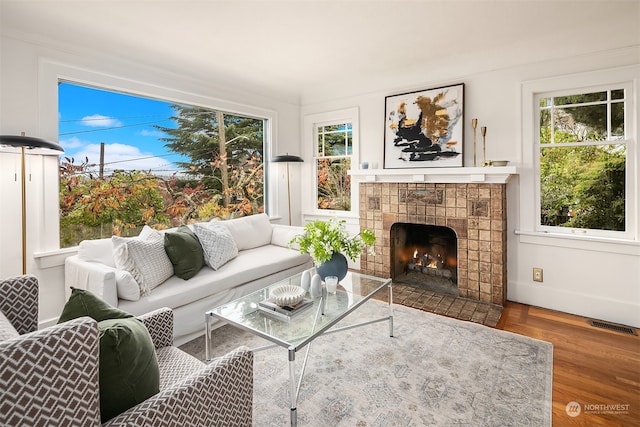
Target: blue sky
(123, 122)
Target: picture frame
(425, 128)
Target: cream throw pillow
(217, 243)
(127, 286)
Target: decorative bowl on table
(287, 295)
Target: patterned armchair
(49, 377)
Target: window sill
(587, 243)
(332, 214)
(54, 258)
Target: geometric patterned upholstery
(49, 377)
(221, 394)
(160, 325)
(176, 365)
(19, 302)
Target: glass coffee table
(301, 329)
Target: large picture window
(583, 146)
(131, 161)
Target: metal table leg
(292, 387)
(208, 345)
(390, 286)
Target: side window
(131, 161)
(582, 146)
(333, 153)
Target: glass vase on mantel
(336, 266)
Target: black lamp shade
(29, 142)
(286, 158)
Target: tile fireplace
(475, 213)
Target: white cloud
(122, 156)
(98, 120)
(73, 142)
(152, 133)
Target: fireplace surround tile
(476, 212)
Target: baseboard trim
(612, 310)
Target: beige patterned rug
(435, 371)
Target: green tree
(601, 194)
(582, 186)
(214, 142)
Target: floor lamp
(287, 158)
(26, 142)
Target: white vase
(316, 286)
(305, 280)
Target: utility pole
(101, 160)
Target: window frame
(317, 157)
(310, 124)
(626, 141)
(530, 205)
(52, 72)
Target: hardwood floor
(591, 366)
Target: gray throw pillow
(217, 243)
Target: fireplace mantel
(487, 175)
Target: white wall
(28, 102)
(600, 280)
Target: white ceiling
(300, 49)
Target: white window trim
(310, 123)
(529, 178)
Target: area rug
(435, 371)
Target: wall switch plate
(537, 274)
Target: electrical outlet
(537, 274)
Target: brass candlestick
(483, 131)
(474, 124)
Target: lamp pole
(23, 192)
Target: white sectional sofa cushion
(264, 259)
(250, 232)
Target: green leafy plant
(322, 238)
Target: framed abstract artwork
(424, 129)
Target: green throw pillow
(185, 252)
(84, 303)
(129, 372)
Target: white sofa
(264, 257)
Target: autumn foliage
(123, 202)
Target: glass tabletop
(303, 327)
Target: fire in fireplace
(425, 256)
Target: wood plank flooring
(591, 366)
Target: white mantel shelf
(486, 175)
